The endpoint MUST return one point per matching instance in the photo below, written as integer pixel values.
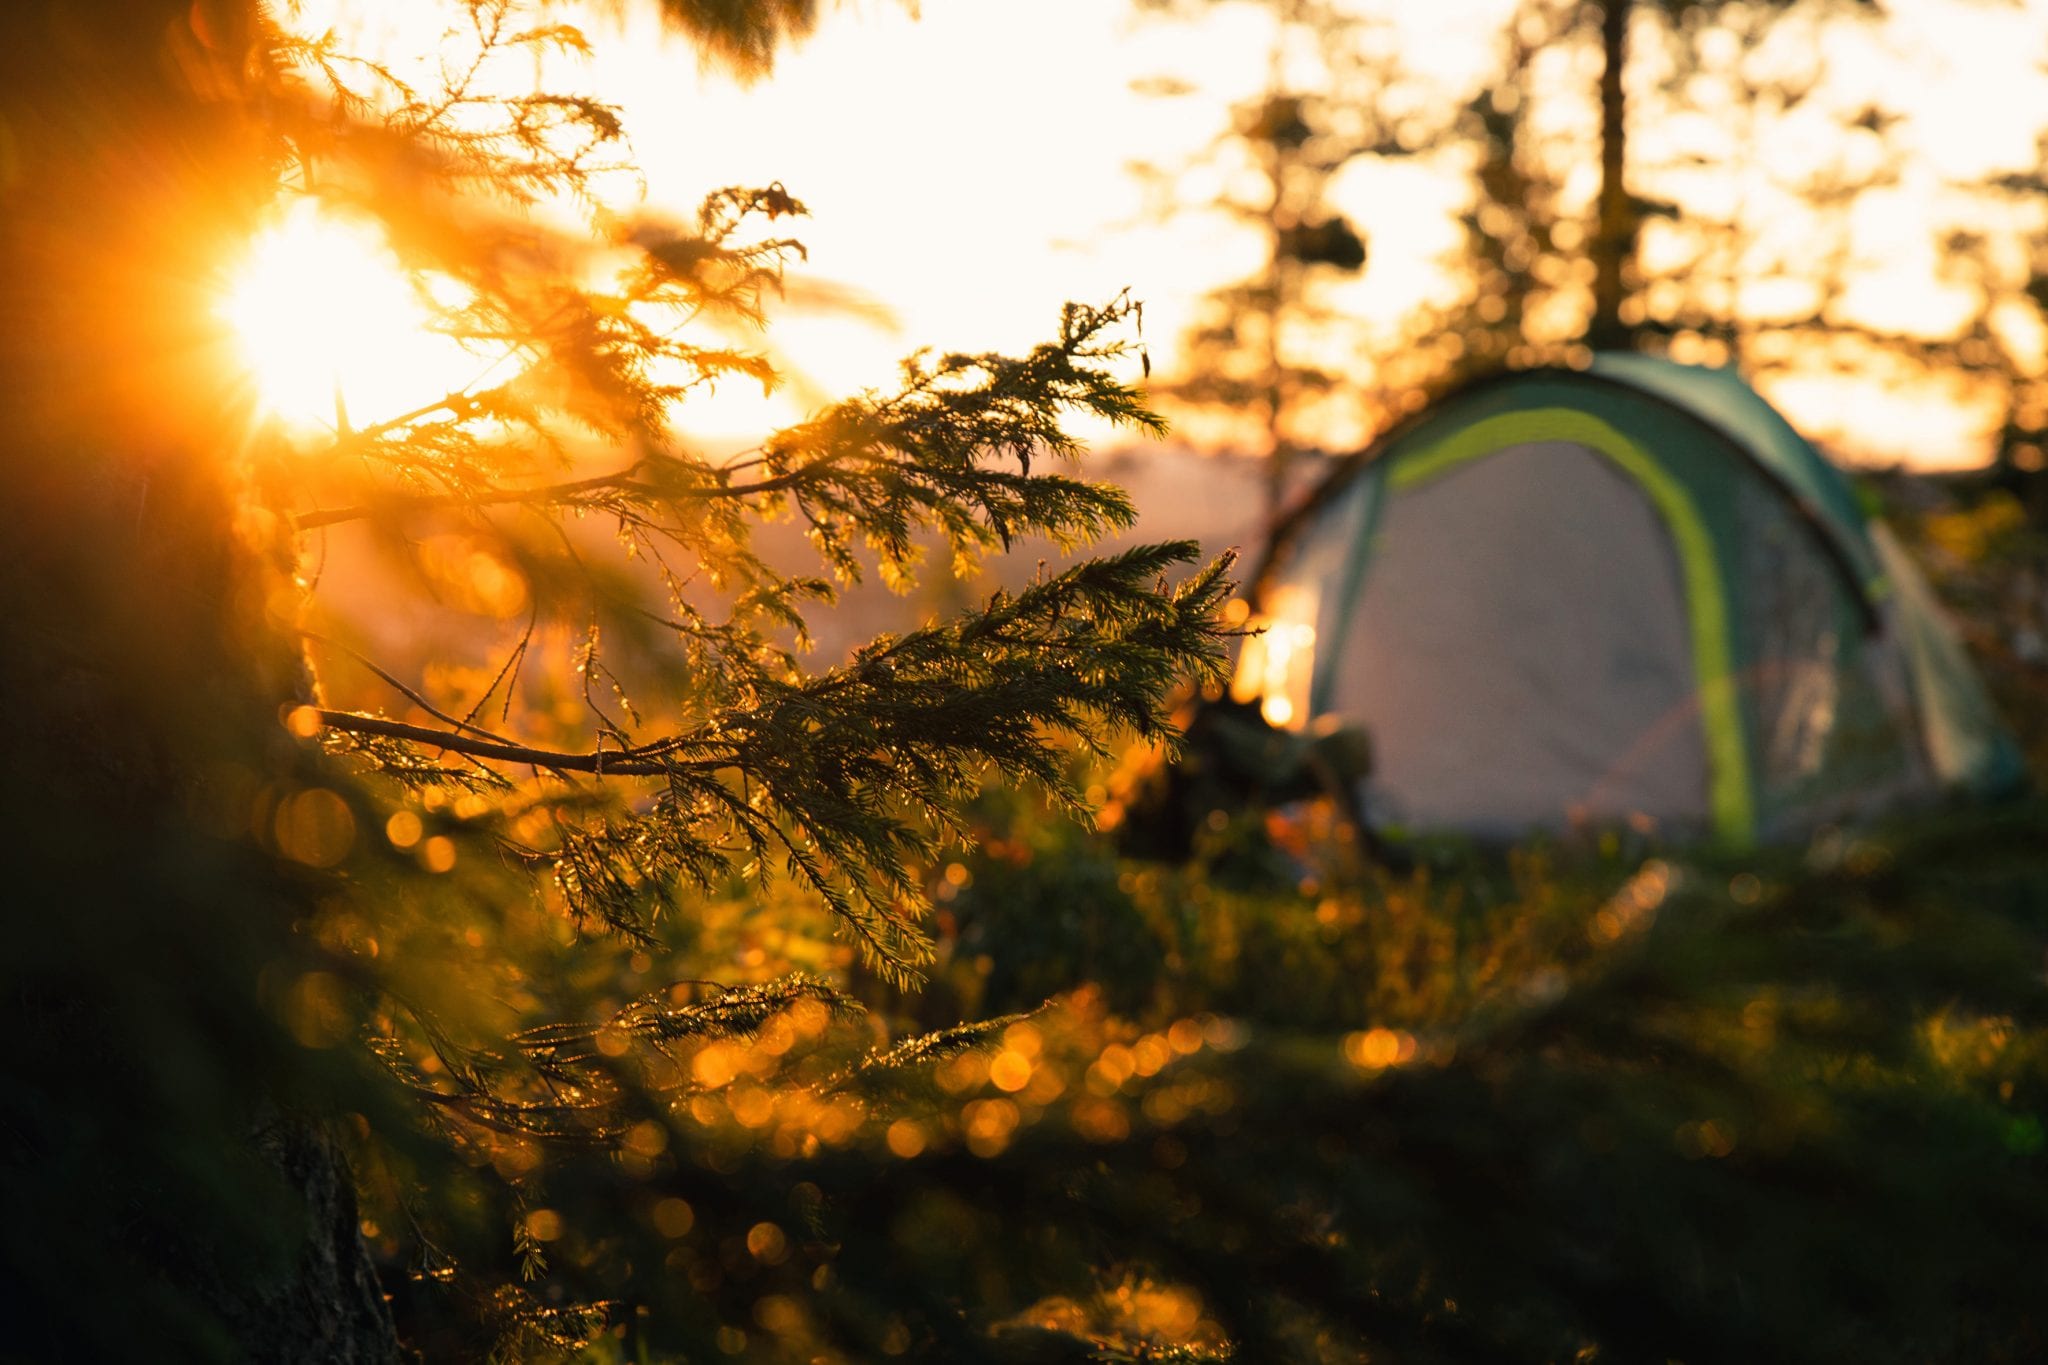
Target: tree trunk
(1616, 226)
(139, 672)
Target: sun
(331, 329)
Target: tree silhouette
(1322, 108)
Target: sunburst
(331, 328)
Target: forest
(509, 871)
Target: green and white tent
(1625, 594)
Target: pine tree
(1553, 280)
(1257, 347)
(1542, 276)
(285, 890)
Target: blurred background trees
(1716, 181)
(1263, 343)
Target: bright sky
(966, 171)
(967, 167)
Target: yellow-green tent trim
(1731, 800)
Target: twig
(648, 761)
(621, 482)
(418, 700)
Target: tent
(1628, 594)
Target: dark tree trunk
(1617, 223)
(331, 1307)
(1279, 449)
(152, 1212)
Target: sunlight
(1276, 667)
(331, 328)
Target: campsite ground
(1812, 1018)
(1790, 1102)
(1828, 1054)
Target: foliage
(1777, 1108)
(424, 900)
(843, 778)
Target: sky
(966, 166)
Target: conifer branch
(852, 773)
(596, 491)
(600, 762)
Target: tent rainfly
(1627, 594)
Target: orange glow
(906, 1138)
(1010, 1070)
(332, 329)
(1379, 1048)
(1276, 666)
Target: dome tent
(1630, 593)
